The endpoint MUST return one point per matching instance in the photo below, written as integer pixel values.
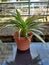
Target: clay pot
(22, 42)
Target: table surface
(37, 49)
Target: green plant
(31, 24)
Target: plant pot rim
(22, 37)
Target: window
(25, 7)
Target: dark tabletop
(38, 54)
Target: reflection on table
(38, 52)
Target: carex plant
(24, 27)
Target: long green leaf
(38, 36)
(33, 24)
(38, 31)
(34, 17)
(20, 19)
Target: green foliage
(31, 24)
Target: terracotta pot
(22, 42)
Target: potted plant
(25, 29)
